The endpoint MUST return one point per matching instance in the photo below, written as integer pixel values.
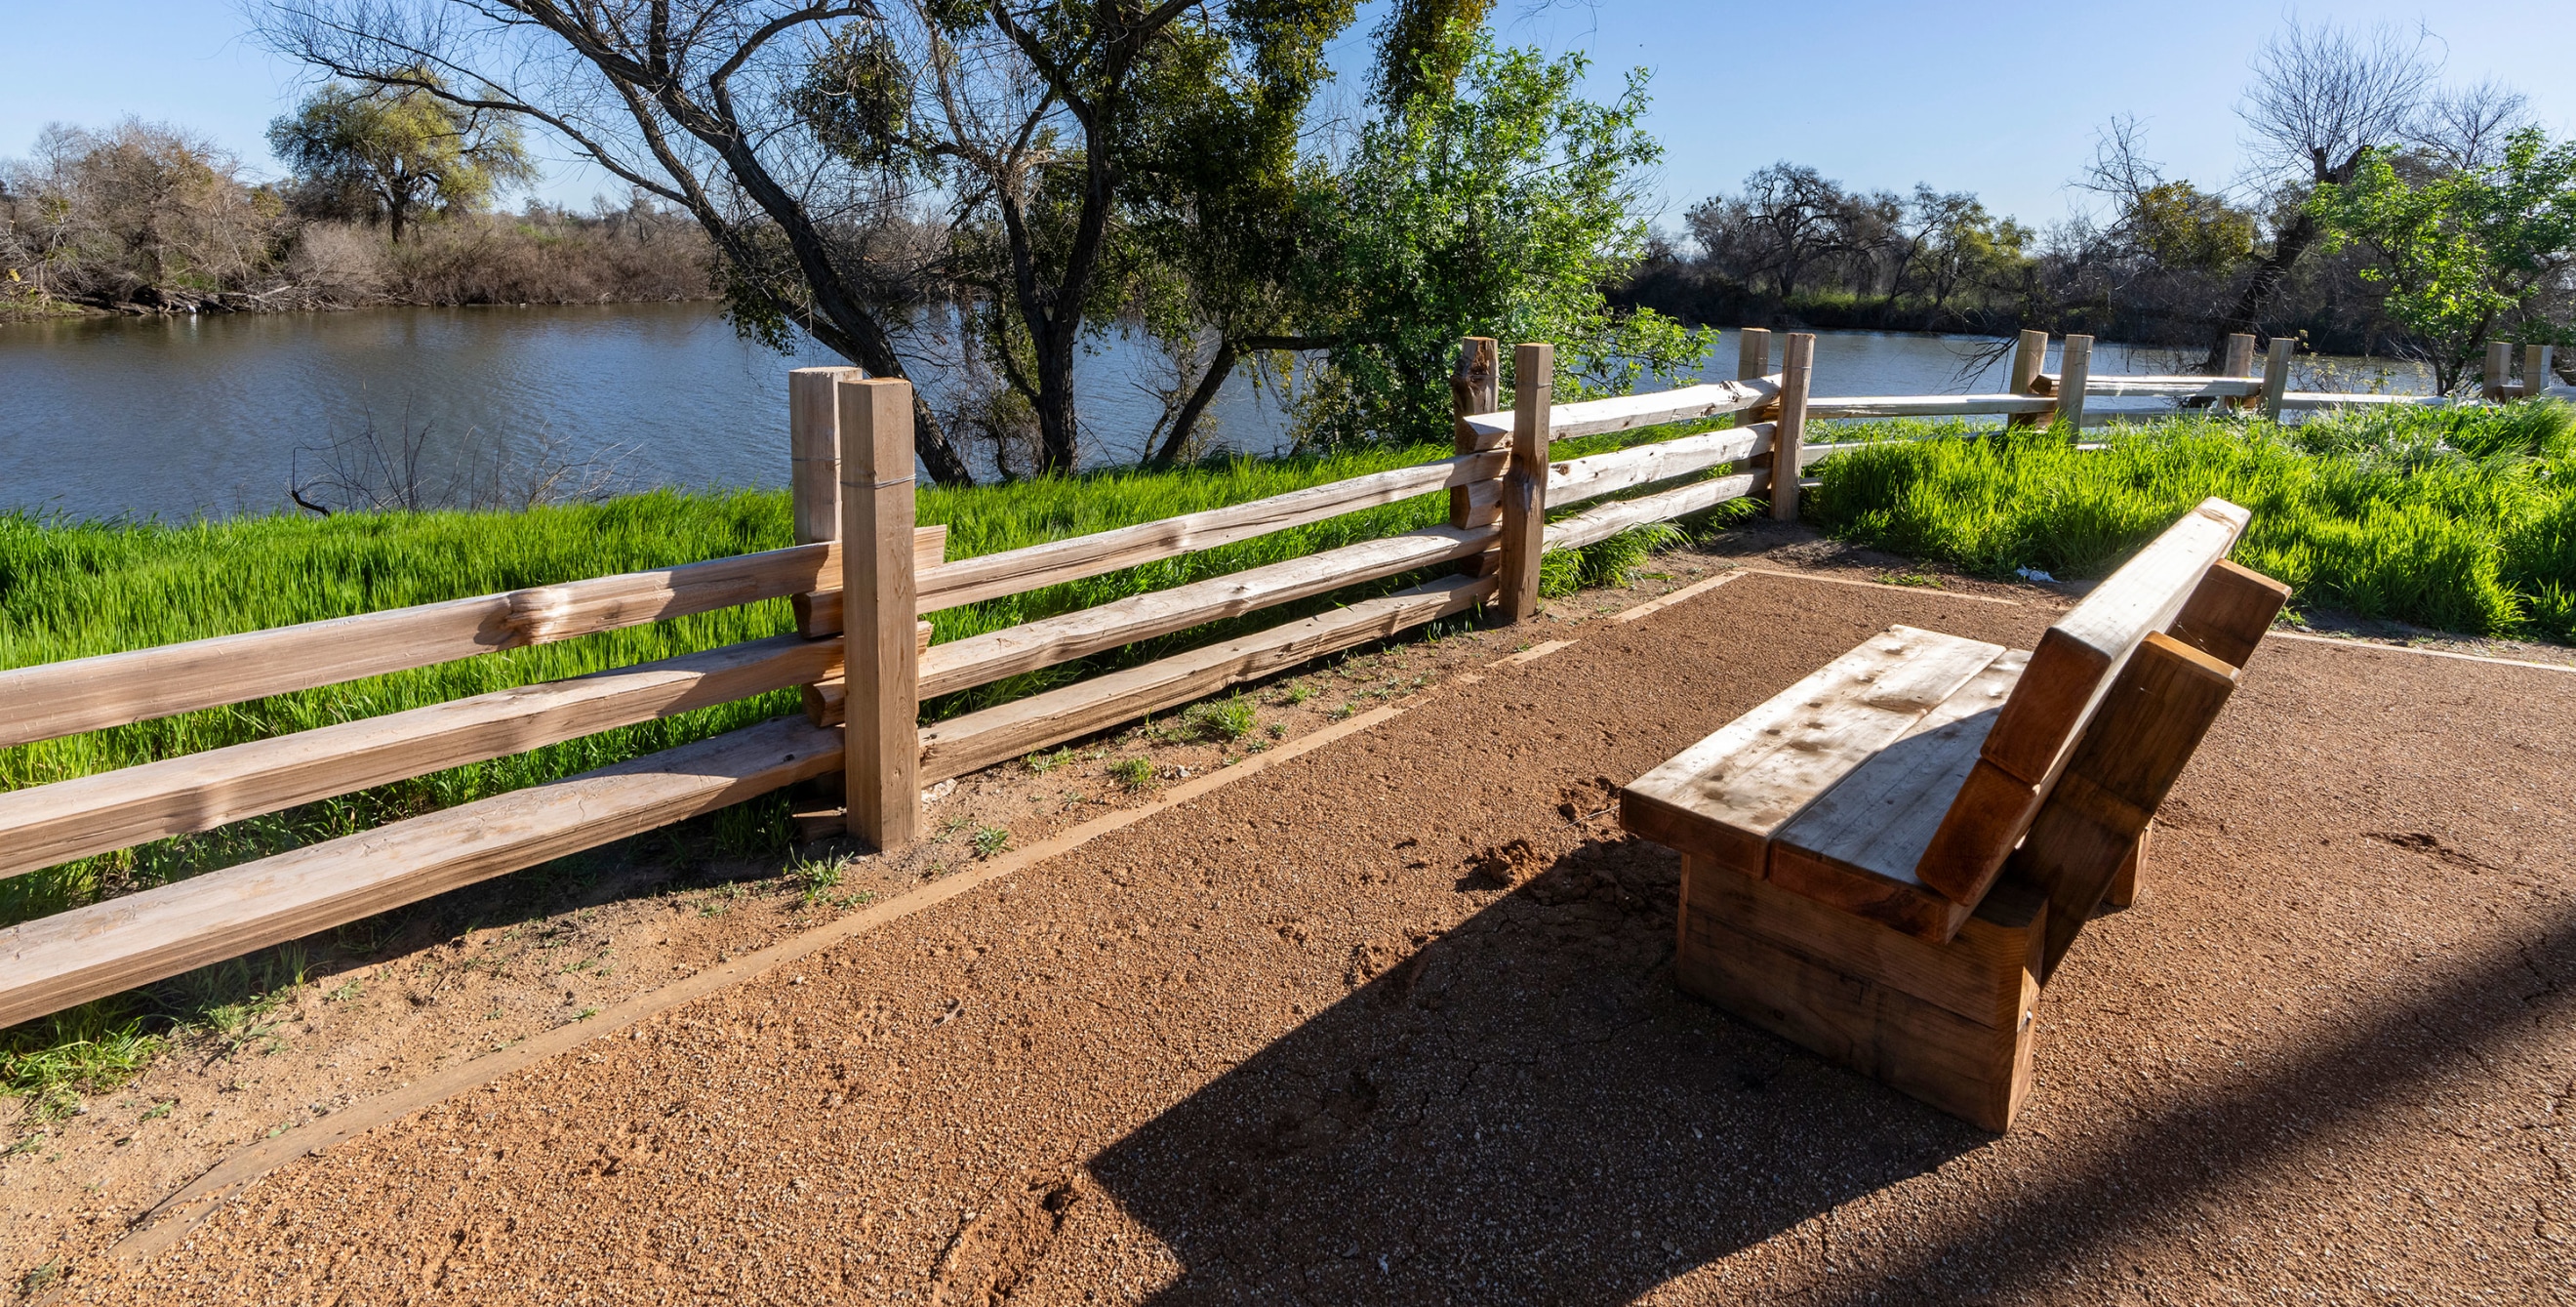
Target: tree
(1500, 209)
(1061, 137)
(687, 107)
(1788, 219)
(1954, 242)
(2323, 100)
(876, 175)
(2464, 251)
(386, 150)
(137, 214)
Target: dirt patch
(1393, 1021)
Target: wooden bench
(1885, 861)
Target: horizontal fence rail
(851, 460)
(50, 700)
(72, 957)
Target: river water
(214, 416)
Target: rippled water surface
(215, 415)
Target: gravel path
(1393, 1021)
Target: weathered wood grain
(1606, 520)
(1789, 431)
(88, 694)
(883, 758)
(819, 614)
(2081, 651)
(1524, 523)
(1017, 571)
(979, 739)
(2229, 611)
(1966, 1068)
(814, 451)
(1473, 388)
(1595, 475)
(1988, 974)
(976, 660)
(1878, 820)
(54, 962)
(1725, 796)
(2130, 756)
(50, 824)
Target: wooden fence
(862, 653)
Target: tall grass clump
(2460, 519)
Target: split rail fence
(862, 653)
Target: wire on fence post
(1472, 393)
(2239, 363)
(882, 749)
(2276, 376)
(2030, 356)
(2074, 373)
(2499, 363)
(1525, 481)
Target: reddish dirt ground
(1393, 1021)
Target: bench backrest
(2077, 659)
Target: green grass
(1221, 721)
(2463, 520)
(70, 590)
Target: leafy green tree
(1500, 210)
(389, 150)
(1057, 134)
(2464, 253)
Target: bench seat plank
(1880, 818)
(1856, 846)
(1724, 797)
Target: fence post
(882, 666)
(814, 452)
(814, 500)
(1525, 481)
(1789, 430)
(1472, 392)
(1752, 354)
(2535, 371)
(2030, 355)
(2276, 376)
(2499, 363)
(2239, 362)
(2074, 373)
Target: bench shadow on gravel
(1525, 1109)
(1521, 1109)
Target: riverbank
(541, 256)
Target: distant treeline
(2379, 211)
(143, 218)
(1795, 246)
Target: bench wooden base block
(1949, 1024)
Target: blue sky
(2002, 99)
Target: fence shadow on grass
(1526, 1110)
